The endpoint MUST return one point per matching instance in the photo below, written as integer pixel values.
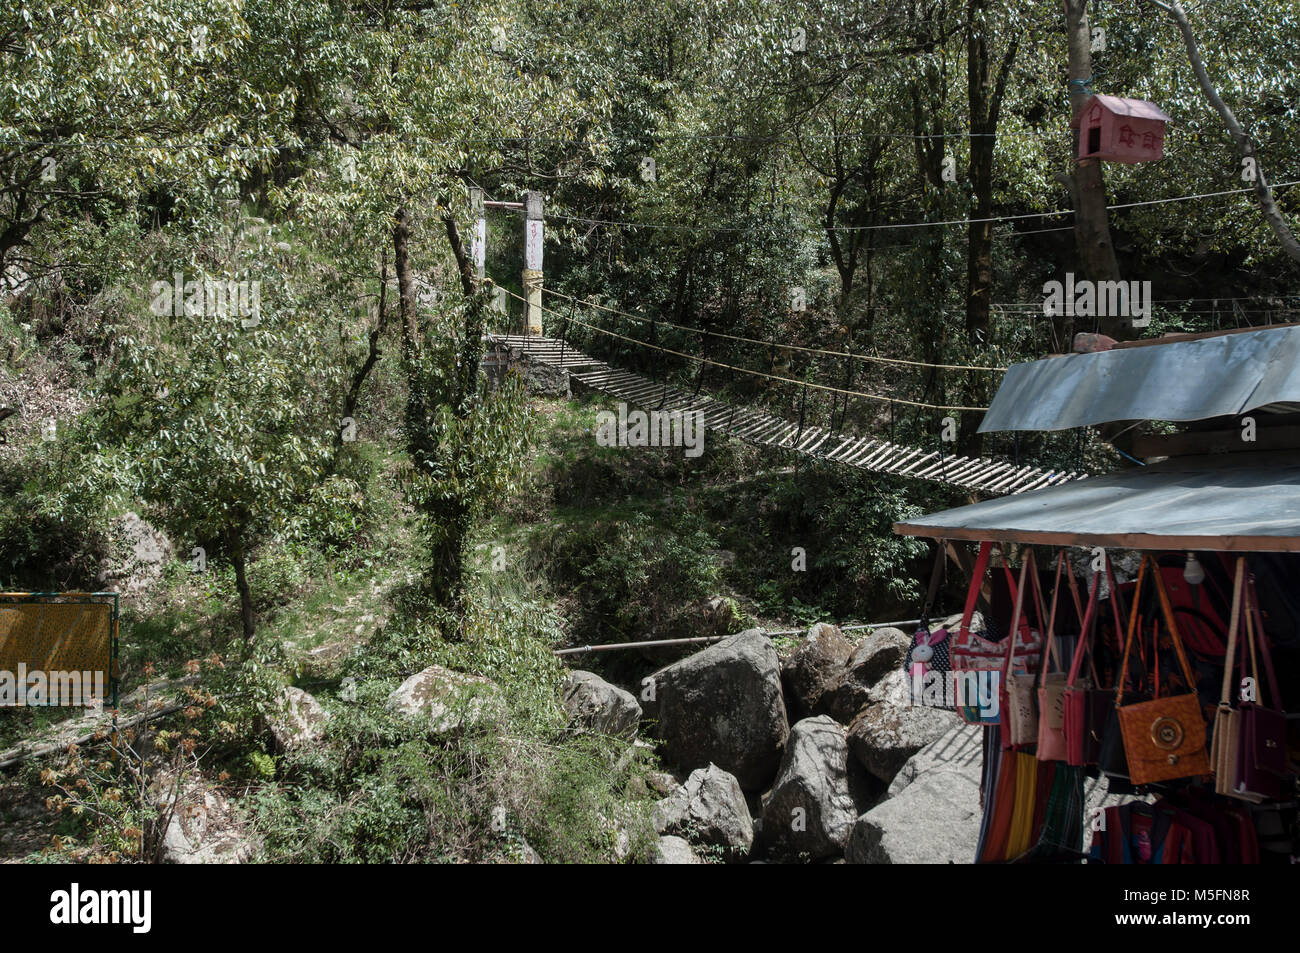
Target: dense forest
(242, 338)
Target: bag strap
(1130, 633)
(936, 574)
(1086, 618)
(1040, 606)
(1225, 697)
(1014, 588)
(1025, 563)
(1264, 649)
(1170, 620)
(1087, 627)
(973, 592)
(1254, 665)
(1049, 649)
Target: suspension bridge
(763, 428)
(751, 424)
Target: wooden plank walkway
(758, 427)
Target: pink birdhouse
(1120, 130)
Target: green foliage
(638, 576)
(382, 790)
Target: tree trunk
(245, 593)
(405, 284)
(1091, 218)
(984, 93)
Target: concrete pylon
(532, 276)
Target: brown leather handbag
(1163, 738)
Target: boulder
(708, 809)
(298, 720)
(674, 850)
(662, 783)
(600, 707)
(523, 853)
(723, 706)
(932, 813)
(139, 554)
(448, 700)
(814, 667)
(890, 730)
(715, 615)
(810, 810)
(203, 827)
(934, 820)
(879, 654)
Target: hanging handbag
(978, 663)
(1020, 702)
(1087, 705)
(1261, 746)
(1226, 734)
(1163, 738)
(927, 661)
(1051, 685)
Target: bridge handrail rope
(745, 370)
(788, 347)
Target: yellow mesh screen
(57, 636)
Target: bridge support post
(480, 232)
(532, 276)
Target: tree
(1245, 146)
(225, 425)
(1086, 184)
(985, 88)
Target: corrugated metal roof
(1230, 502)
(1183, 380)
(1123, 107)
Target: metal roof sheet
(1183, 380)
(1230, 502)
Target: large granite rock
(722, 706)
(810, 810)
(932, 814)
(709, 809)
(890, 730)
(600, 707)
(448, 700)
(878, 655)
(203, 827)
(674, 850)
(814, 668)
(298, 719)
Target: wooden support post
(532, 277)
(480, 232)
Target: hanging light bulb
(1193, 571)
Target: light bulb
(1193, 571)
